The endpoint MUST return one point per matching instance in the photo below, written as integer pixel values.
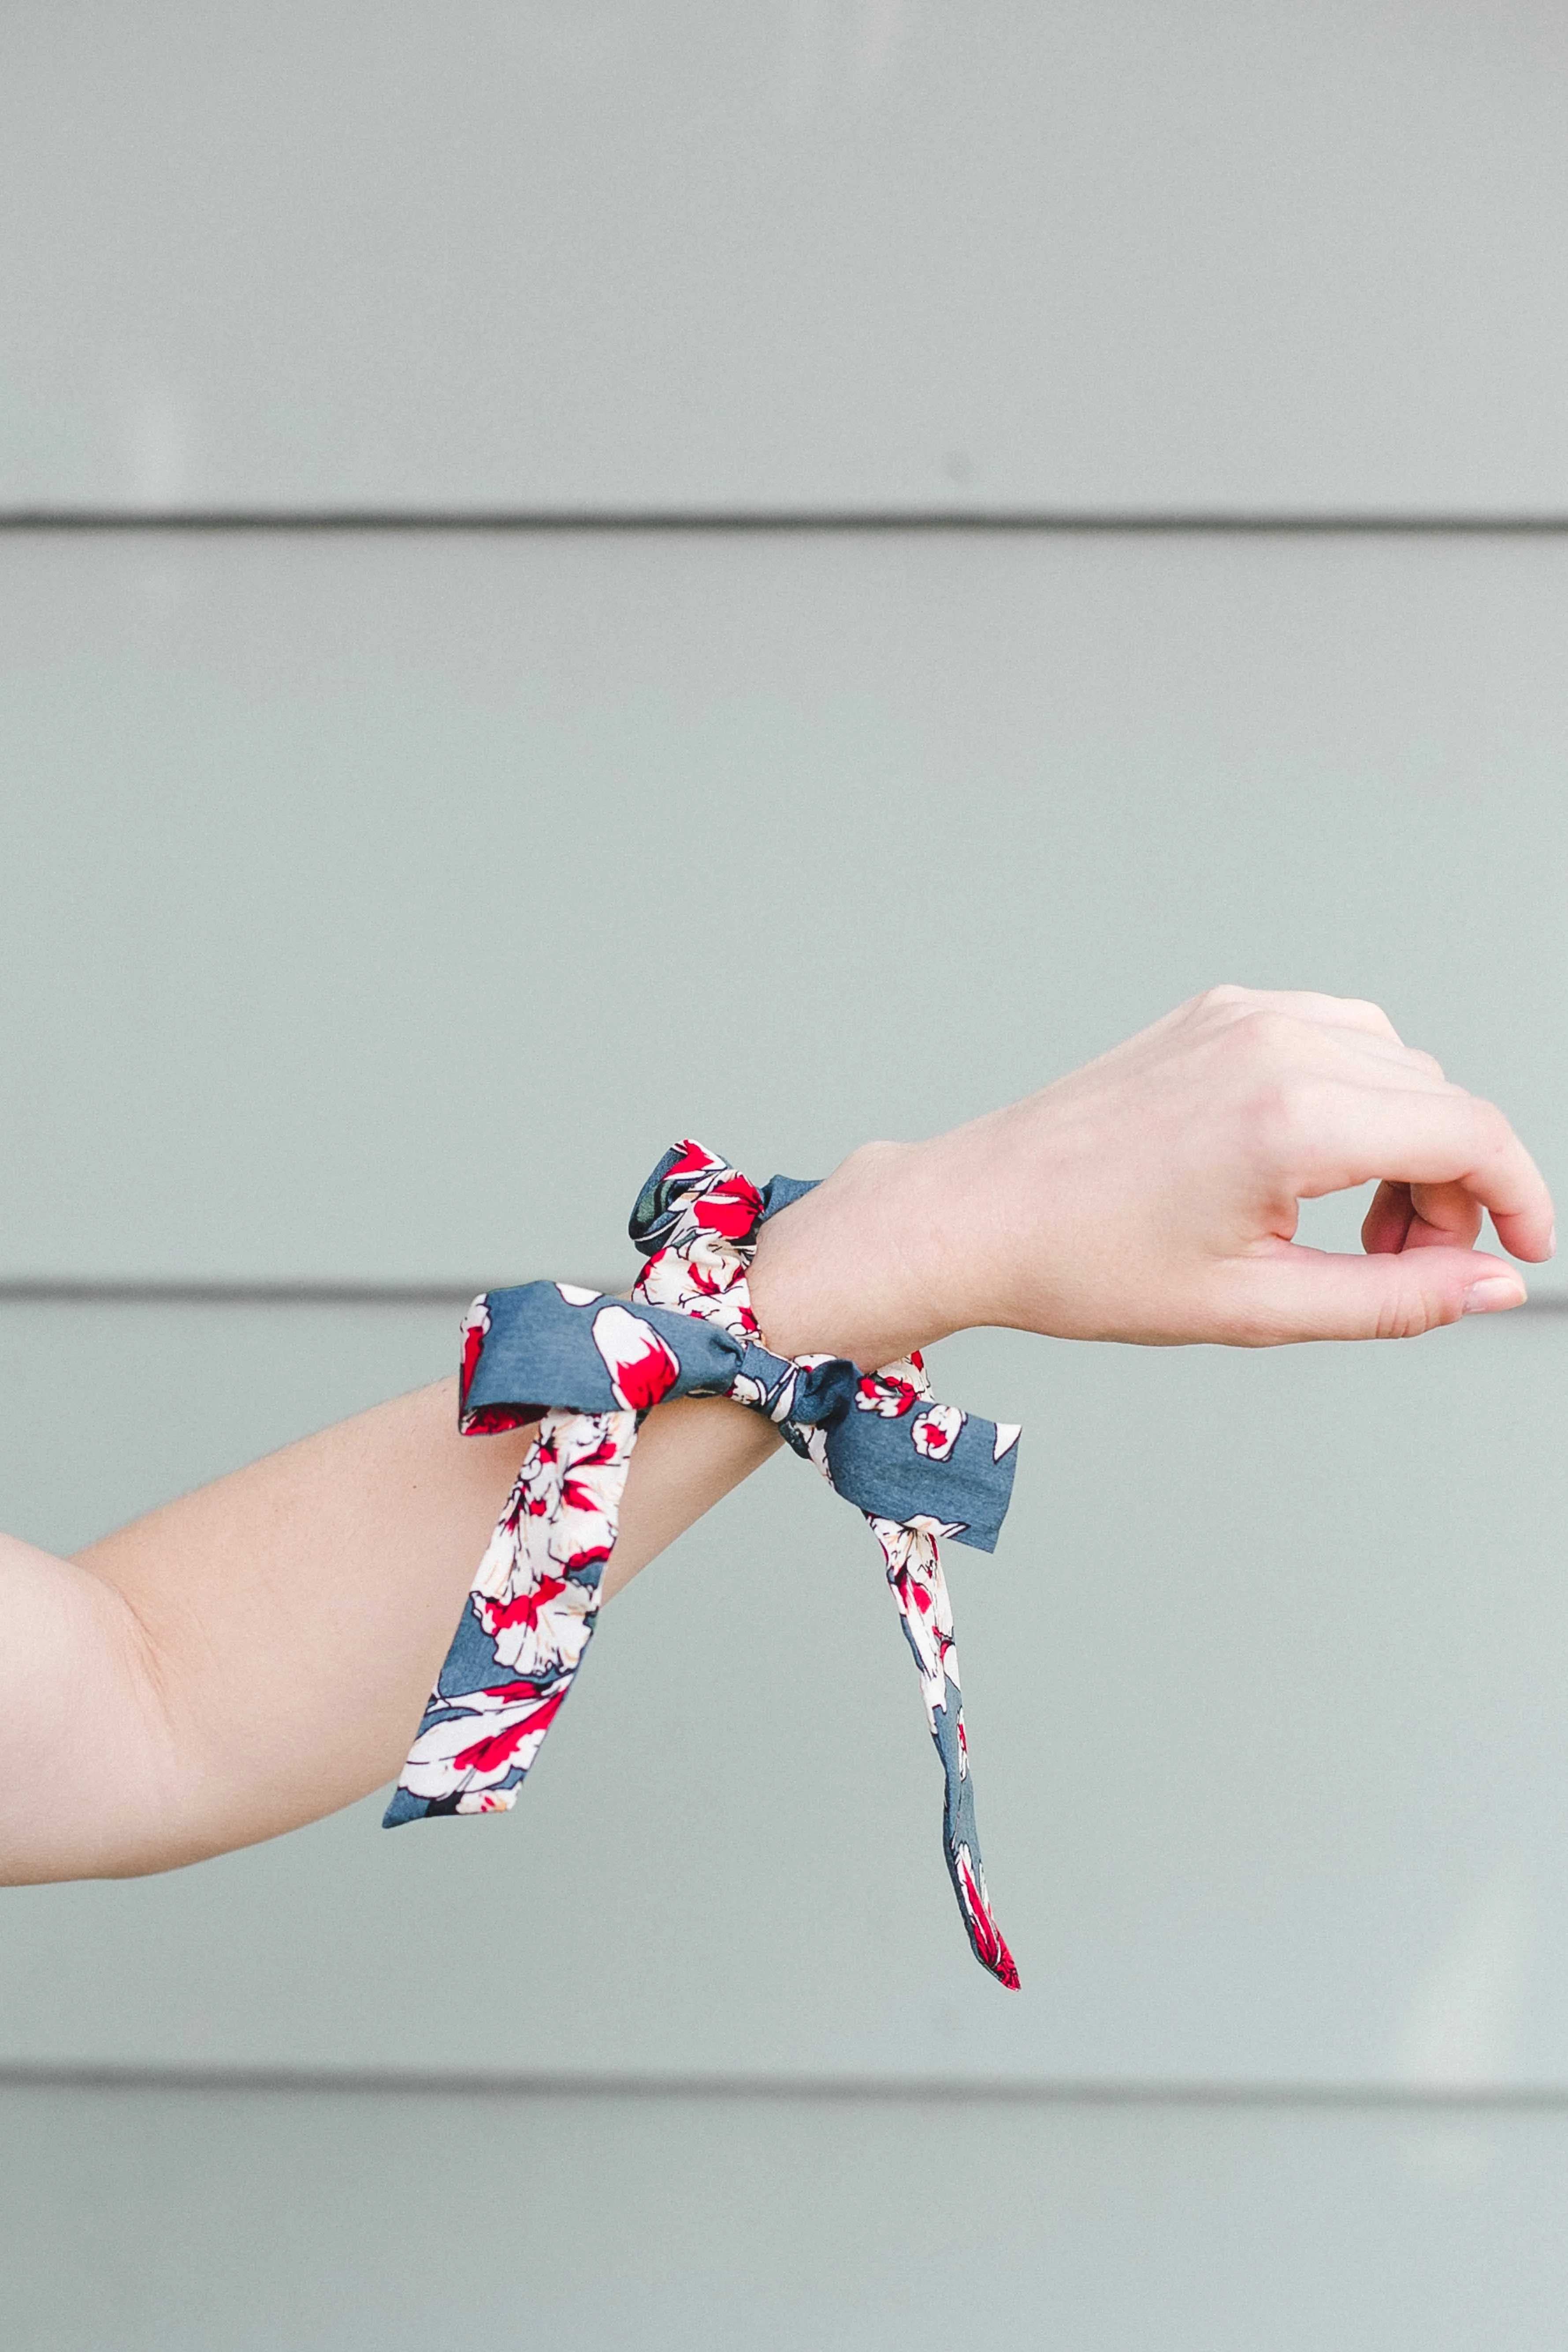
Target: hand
(1152, 1197)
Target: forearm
(258, 1653)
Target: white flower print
(498, 1733)
(642, 1368)
(817, 1451)
(706, 1277)
(542, 1629)
(920, 1587)
(935, 1431)
(475, 1330)
(538, 1587)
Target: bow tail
(529, 1620)
(919, 1589)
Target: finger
(1286, 1040)
(1443, 1216)
(1386, 1053)
(1421, 1216)
(1296, 1293)
(1373, 1058)
(1340, 1136)
(1386, 1223)
(1367, 1087)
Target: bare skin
(1152, 1197)
(258, 1653)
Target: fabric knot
(588, 1368)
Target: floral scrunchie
(587, 1367)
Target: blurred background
(575, 573)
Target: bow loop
(691, 1195)
(588, 1369)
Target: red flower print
(641, 1367)
(695, 1159)
(488, 1756)
(989, 1943)
(492, 1734)
(732, 1209)
(485, 1420)
(885, 1394)
(499, 1616)
(577, 1497)
(912, 1595)
(578, 1494)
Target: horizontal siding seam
(396, 2083)
(1197, 522)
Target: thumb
(1307, 1293)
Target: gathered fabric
(588, 1368)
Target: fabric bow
(587, 1367)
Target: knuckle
(1288, 1113)
(1374, 1014)
(1271, 1035)
(1222, 998)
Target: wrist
(863, 1267)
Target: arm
(256, 1655)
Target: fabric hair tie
(587, 1367)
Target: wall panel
(887, 253)
(380, 909)
(268, 2223)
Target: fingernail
(1496, 1290)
